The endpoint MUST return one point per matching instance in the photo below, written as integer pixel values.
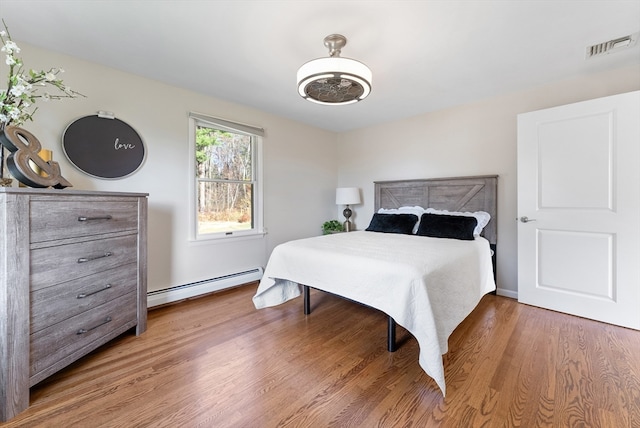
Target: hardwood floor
(218, 362)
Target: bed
(424, 280)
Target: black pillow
(447, 226)
(393, 223)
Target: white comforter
(428, 285)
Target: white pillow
(481, 216)
(417, 211)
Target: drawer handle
(106, 217)
(87, 330)
(83, 295)
(88, 259)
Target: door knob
(526, 219)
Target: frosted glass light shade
(347, 196)
(334, 81)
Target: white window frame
(256, 134)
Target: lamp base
(347, 224)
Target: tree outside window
(225, 181)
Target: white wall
(474, 139)
(300, 171)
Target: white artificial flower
(3, 33)
(10, 60)
(50, 76)
(10, 47)
(18, 90)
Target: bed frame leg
(391, 323)
(307, 299)
(391, 335)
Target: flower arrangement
(17, 102)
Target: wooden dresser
(72, 277)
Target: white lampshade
(347, 196)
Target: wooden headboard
(453, 194)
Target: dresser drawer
(54, 304)
(53, 344)
(51, 220)
(54, 265)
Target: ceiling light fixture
(334, 80)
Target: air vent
(612, 46)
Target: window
(227, 191)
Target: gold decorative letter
(24, 147)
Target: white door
(579, 209)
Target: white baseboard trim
(507, 293)
(186, 291)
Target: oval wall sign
(103, 147)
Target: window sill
(221, 239)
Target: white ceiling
(425, 55)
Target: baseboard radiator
(186, 291)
